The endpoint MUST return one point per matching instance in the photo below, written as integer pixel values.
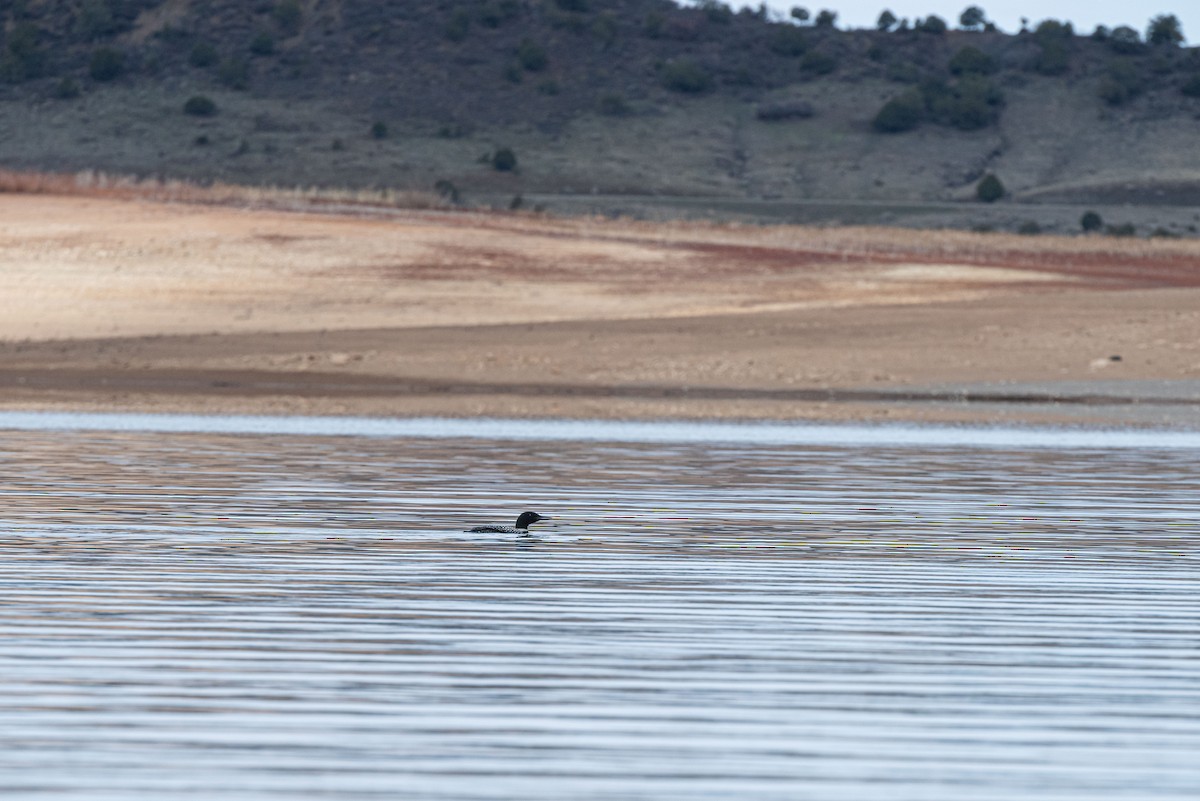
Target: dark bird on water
(522, 527)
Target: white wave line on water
(629, 431)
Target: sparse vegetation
(107, 64)
(288, 16)
(94, 20)
(447, 190)
(789, 40)
(1122, 230)
(22, 57)
(200, 106)
(379, 130)
(612, 104)
(234, 73)
(685, 75)
(531, 56)
(67, 89)
(818, 62)
(784, 110)
(263, 44)
(717, 12)
(303, 60)
(203, 55)
(989, 189)
(458, 26)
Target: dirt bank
(121, 304)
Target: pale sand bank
(128, 305)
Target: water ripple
(285, 616)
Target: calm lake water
(856, 613)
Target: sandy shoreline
(127, 305)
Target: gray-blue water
(853, 614)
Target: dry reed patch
(95, 184)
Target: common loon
(522, 527)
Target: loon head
(528, 518)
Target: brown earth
(118, 304)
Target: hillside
(635, 106)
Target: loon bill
(522, 527)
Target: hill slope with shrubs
(632, 97)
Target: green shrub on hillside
(789, 40)
(234, 73)
(973, 18)
(612, 105)
(458, 25)
(1054, 58)
(288, 16)
(685, 75)
(932, 24)
(531, 56)
(825, 18)
(818, 62)
(22, 58)
(901, 113)
(1122, 83)
(199, 106)
(1165, 30)
(604, 28)
(577, 6)
(379, 130)
(107, 64)
(1091, 221)
(263, 44)
(1052, 30)
(989, 189)
(1054, 40)
(975, 103)
(1191, 87)
(67, 89)
(495, 13)
(1125, 40)
(972, 61)
(653, 25)
(504, 160)
(203, 55)
(716, 12)
(94, 20)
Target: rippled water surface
(289, 616)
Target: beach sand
(112, 304)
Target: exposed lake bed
(201, 607)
